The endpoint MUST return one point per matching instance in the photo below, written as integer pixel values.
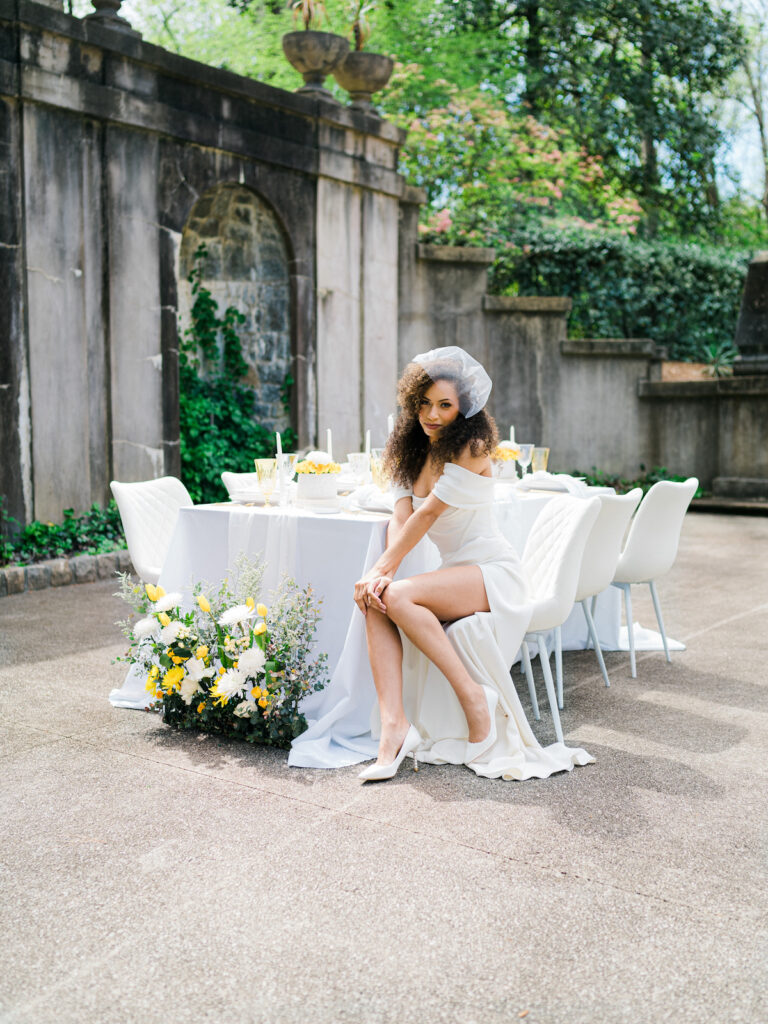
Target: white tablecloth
(331, 552)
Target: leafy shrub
(92, 533)
(597, 478)
(684, 296)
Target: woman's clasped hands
(369, 591)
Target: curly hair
(409, 447)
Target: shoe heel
(415, 762)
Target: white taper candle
(512, 434)
(279, 443)
(367, 442)
(390, 423)
(329, 444)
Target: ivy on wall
(217, 429)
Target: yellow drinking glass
(266, 470)
(539, 460)
(378, 474)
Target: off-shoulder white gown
(465, 534)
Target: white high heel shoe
(476, 750)
(378, 772)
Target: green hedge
(93, 533)
(682, 295)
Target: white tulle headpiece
(453, 363)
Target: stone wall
(108, 147)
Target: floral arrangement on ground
(230, 665)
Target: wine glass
(360, 465)
(266, 470)
(524, 458)
(539, 460)
(285, 462)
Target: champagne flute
(539, 460)
(285, 461)
(379, 474)
(524, 458)
(266, 470)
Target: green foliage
(217, 429)
(92, 533)
(720, 358)
(684, 296)
(596, 478)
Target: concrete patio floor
(151, 876)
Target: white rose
(321, 458)
(244, 709)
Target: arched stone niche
(247, 267)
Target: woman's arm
(406, 528)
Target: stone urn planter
(314, 55)
(362, 73)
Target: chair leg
(559, 665)
(550, 685)
(526, 660)
(657, 609)
(595, 641)
(626, 587)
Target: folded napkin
(370, 498)
(554, 482)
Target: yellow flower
(159, 694)
(261, 628)
(262, 610)
(222, 670)
(200, 707)
(149, 685)
(154, 672)
(201, 652)
(262, 703)
(173, 677)
(203, 603)
(256, 692)
(151, 590)
(165, 618)
(177, 659)
(250, 603)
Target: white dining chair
(598, 566)
(149, 510)
(552, 560)
(239, 483)
(651, 548)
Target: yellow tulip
(154, 672)
(203, 603)
(160, 591)
(151, 590)
(256, 692)
(250, 603)
(262, 610)
(177, 659)
(165, 618)
(150, 684)
(261, 628)
(201, 652)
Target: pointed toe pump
(379, 772)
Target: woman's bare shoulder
(479, 464)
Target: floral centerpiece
(229, 665)
(317, 474)
(503, 457)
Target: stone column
(752, 326)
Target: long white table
(331, 552)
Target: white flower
(188, 689)
(244, 709)
(164, 604)
(251, 661)
(232, 683)
(240, 613)
(195, 668)
(171, 632)
(321, 458)
(209, 673)
(506, 444)
(146, 627)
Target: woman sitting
(463, 706)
